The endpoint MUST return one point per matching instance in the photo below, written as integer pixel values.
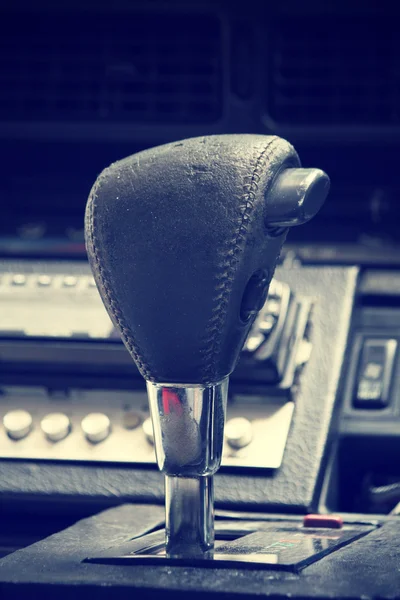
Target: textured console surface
(367, 568)
(295, 484)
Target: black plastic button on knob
(254, 295)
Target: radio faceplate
(52, 321)
(114, 426)
(71, 392)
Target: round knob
(70, 281)
(148, 430)
(18, 424)
(55, 426)
(19, 279)
(44, 280)
(131, 419)
(96, 427)
(238, 432)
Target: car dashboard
(313, 411)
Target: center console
(74, 396)
(331, 442)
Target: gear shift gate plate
(282, 545)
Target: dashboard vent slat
(110, 67)
(334, 71)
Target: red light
(171, 402)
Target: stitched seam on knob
(213, 340)
(102, 275)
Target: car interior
(199, 299)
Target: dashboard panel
(313, 415)
(77, 96)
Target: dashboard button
(375, 372)
(253, 342)
(18, 279)
(70, 281)
(55, 426)
(18, 424)
(96, 427)
(325, 521)
(148, 430)
(273, 307)
(266, 324)
(131, 419)
(238, 432)
(44, 280)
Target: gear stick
(183, 241)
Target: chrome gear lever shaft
(183, 241)
(188, 424)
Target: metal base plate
(278, 545)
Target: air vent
(110, 67)
(334, 72)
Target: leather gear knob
(179, 244)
